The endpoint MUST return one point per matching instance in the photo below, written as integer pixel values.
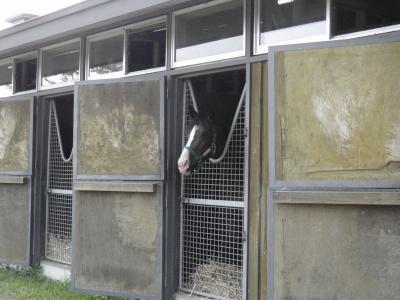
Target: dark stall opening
(213, 209)
(59, 180)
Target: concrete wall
(336, 119)
(337, 252)
(15, 121)
(337, 113)
(14, 222)
(117, 242)
(119, 129)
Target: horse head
(201, 145)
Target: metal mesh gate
(59, 195)
(212, 218)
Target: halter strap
(200, 159)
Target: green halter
(200, 159)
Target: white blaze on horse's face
(183, 162)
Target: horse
(211, 116)
(204, 142)
(208, 132)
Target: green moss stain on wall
(338, 113)
(122, 252)
(14, 135)
(119, 129)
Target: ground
(28, 284)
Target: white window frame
(22, 57)
(206, 59)
(263, 48)
(139, 25)
(9, 61)
(368, 32)
(57, 85)
(102, 36)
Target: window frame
(139, 25)
(9, 61)
(26, 56)
(212, 58)
(263, 48)
(63, 84)
(363, 33)
(103, 36)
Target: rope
(234, 121)
(54, 110)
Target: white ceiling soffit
(71, 20)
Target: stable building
(95, 104)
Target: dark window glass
(6, 79)
(209, 31)
(279, 14)
(25, 75)
(352, 16)
(146, 48)
(60, 64)
(106, 56)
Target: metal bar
(60, 143)
(59, 191)
(194, 101)
(135, 187)
(13, 179)
(214, 202)
(242, 97)
(208, 296)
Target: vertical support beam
(173, 120)
(255, 167)
(258, 185)
(264, 185)
(39, 172)
(168, 58)
(82, 59)
(248, 29)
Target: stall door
(334, 214)
(15, 179)
(118, 188)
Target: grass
(28, 284)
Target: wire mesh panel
(212, 220)
(224, 180)
(59, 195)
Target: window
(25, 73)
(352, 16)
(106, 56)
(146, 47)
(60, 64)
(282, 21)
(6, 79)
(208, 32)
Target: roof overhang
(72, 20)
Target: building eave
(72, 20)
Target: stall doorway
(59, 180)
(213, 209)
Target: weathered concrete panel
(14, 222)
(15, 118)
(337, 252)
(337, 113)
(117, 238)
(119, 129)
